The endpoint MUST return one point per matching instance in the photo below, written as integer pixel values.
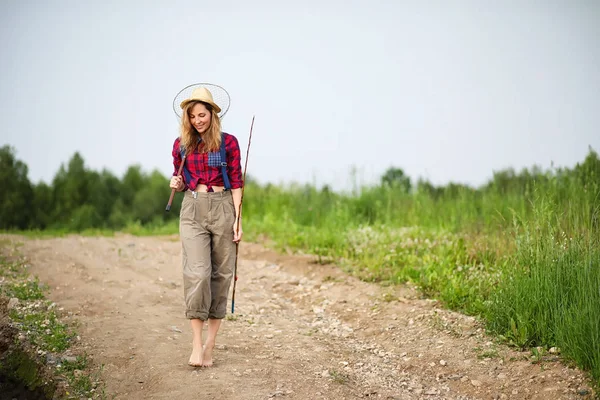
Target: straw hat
(202, 92)
(204, 95)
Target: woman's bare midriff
(201, 188)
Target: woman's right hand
(177, 183)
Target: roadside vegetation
(41, 355)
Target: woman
(208, 223)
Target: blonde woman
(212, 185)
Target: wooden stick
(237, 229)
(173, 190)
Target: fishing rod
(237, 229)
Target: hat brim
(221, 99)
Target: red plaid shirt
(205, 168)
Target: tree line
(79, 198)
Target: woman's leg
(223, 260)
(211, 337)
(197, 267)
(196, 357)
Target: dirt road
(300, 331)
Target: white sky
(446, 90)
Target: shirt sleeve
(177, 161)
(234, 167)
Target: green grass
(522, 253)
(80, 383)
(152, 229)
(43, 328)
(550, 295)
(487, 353)
(456, 268)
(24, 290)
(133, 228)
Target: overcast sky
(446, 90)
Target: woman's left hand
(237, 234)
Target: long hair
(211, 140)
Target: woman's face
(200, 117)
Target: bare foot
(207, 360)
(196, 357)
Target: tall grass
(522, 252)
(550, 293)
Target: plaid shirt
(205, 168)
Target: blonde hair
(211, 140)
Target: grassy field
(524, 257)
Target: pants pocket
(187, 218)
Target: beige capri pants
(208, 252)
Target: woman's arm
(234, 171)
(177, 182)
(237, 224)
